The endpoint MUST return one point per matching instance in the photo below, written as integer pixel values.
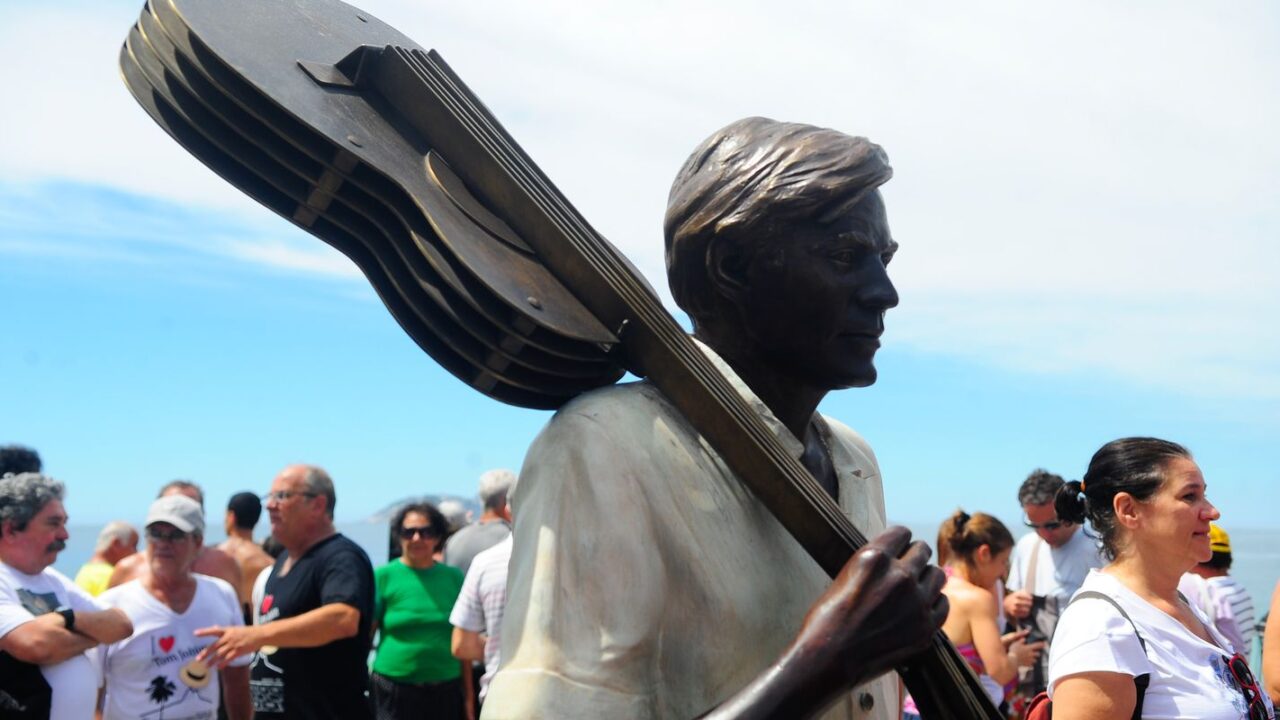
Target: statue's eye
(844, 258)
(886, 257)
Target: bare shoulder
(246, 553)
(966, 596)
(217, 563)
(129, 568)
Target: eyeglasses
(409, 533)
(1051, 525)
(282, 495)
(158, 535)
(1248, 686)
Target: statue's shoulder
(623, 403)
(853, 442)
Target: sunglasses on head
(160, 535)
(409, 533)
(1249, 686)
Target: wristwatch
(68, 616)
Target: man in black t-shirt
(313, 641)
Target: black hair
(1132, 465)
(246, 508)
(1219, 561)
(439, 525)
(18, 459)
(272, 546)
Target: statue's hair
(751, 176)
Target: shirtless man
(210, 561)
(243, 511)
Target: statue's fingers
(916, 558)
(938, 613)
(893, 541)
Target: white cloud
(1079, 185)
(316, 260)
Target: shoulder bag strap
(1139, 681)
(1029, 582)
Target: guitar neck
(435, 102)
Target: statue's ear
(727, 266)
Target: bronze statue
(350, 130)
(643, 582)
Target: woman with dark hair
(974, 552)
(1129, 645)
(414, 673)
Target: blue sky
(1084, 195)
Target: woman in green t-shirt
(414, 673)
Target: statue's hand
(883, 608)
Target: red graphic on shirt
(166, 643)
(266, 603)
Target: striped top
(1233, 612)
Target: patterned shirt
(479, 607)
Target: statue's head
(777, 241)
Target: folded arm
(45, 640)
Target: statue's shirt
(646, 580)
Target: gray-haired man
(494, 524)
(46, 622)
(1046, 568)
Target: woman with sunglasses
(1128, 627)
(414, 673)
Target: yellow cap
(1219, 540)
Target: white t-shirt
(1059, 570)
(154, 672)
(22, 598)
(1189, 677)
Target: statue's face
(816, 297)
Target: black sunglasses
(158, 535)
(409, 533)
(1248, 686)
(1051, 525)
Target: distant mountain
(384, 515)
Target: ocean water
(1255, 552)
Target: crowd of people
(1120, 603)
(299, 625)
